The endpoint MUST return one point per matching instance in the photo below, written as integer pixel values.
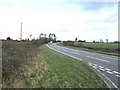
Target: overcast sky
(68, 19)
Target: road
(105, 65)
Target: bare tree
(52, 36)
(45, 35)
(42, 35)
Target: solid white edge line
(65, 53)
(109, 57)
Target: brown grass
(21, 63)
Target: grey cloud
(112, 18)
(96, 6)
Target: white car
(50, 42)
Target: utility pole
(21, 32)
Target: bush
(78, 44)
(69, 43)
(8, 38)
(58, 41)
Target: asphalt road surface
(105, 65)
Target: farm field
(32, 65)
(100, 45)
(106, 48)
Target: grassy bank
(29, 65)
(22, 63)
(65, 72)
(105, 48)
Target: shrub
(79, 45)
(8, 38)
(69, 43)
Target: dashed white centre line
(109, 57)
(64, 50)
(97, 59)
(76, 53)
(87, 52)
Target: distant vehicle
(50, 42)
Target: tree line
(51, 36)
(94, 41)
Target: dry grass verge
(22, 64)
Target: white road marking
(116, 72)
(109, 72)
(95, 67)
(104, 74)
(118, 75)
(92, 65)
(95, 64)
(107, 69)
(65, 53)
(64, 50)
(108, 79)
(97, 59)
(109, 57)
(87, 52)
(76, 53)
(102, 69)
